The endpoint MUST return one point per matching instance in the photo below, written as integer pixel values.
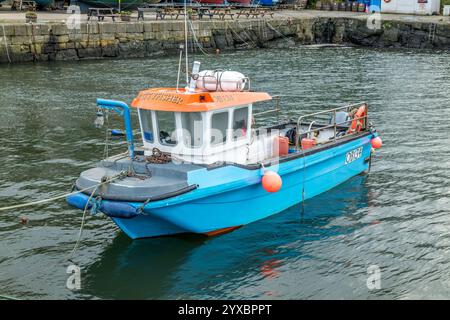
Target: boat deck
(144, 180)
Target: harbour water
(397, 217)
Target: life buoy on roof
(211, 80)
(358, 119)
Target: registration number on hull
(353, 155)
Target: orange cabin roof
(169, 99)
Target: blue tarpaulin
(374, 5)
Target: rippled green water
(397, 217)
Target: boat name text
(353, 155)
(162, 97)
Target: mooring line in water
(39, 202)
(3, 297)
(83, 219)
(6, 43)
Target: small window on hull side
(166, 127)
(240, 122)
(219, 126)
(146, 124)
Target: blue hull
(232, 196)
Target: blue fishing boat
(205, 167)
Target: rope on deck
(6, 43)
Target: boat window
(166, 127)
(145, 117)
(192, 125)
(240, 119)
(219, 126)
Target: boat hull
(227, 205)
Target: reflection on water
(396, 217)
(194, 266)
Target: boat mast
(186, 42)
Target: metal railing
(277, 107)
(334, 125)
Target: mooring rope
(39, 202)
(199, 45)
(7, 297)
(83, 219)
(6, 43)
(279, 32)
(228, 26)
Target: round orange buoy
(271, 181)
(376, 142)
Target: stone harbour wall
(94, 40)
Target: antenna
(186, 41)
(179, 66)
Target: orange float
(376, 142)
(271, 181)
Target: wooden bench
(157, 10)
(172, 12)
(222, 12)
(263, 12)
(101, 13)
(255, 12)
(194, 11)
(245, 11)
(204, 11)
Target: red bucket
(281, 146)
(308, 143)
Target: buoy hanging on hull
(271, 181)
(376, 142)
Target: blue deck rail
(122, 109)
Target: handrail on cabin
(123, 110)
(277, 107)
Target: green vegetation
(387, 25)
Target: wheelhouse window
(166, 127)
(219, 126)
(192, 125)
(240, 122)
(145, 117)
